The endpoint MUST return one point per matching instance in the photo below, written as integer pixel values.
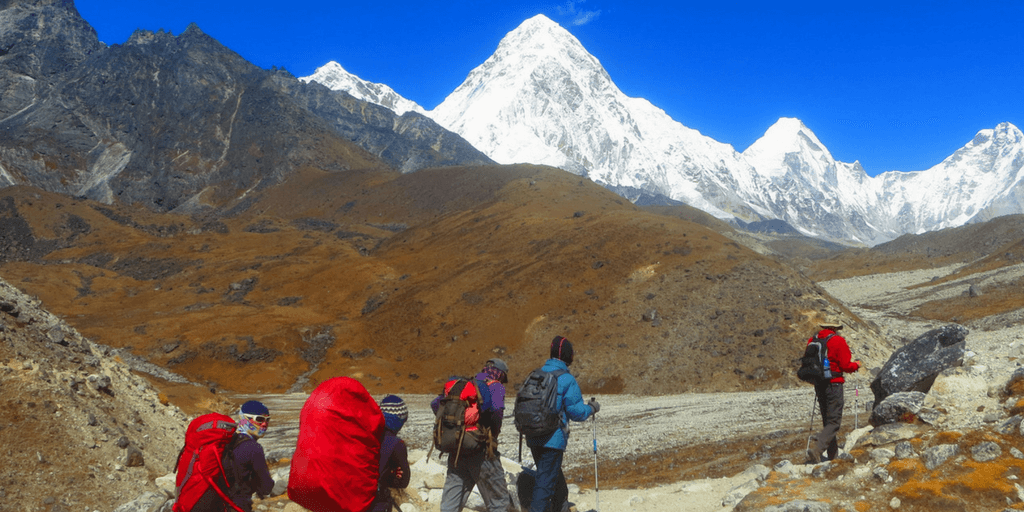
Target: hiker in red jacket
(830, 394)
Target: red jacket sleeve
(839, 356)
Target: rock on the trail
(914, 366)
(902, 406)
(148, 502)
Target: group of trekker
(331, 470)
(329, 473)
(477, 463)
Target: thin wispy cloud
(579, 16)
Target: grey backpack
(536, 413)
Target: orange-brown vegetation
(401, 280)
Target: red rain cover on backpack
(337, 457)
(200, 472)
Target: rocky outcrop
(179, 122)
(914, 366)
(79, 428)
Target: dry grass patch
(964, 308)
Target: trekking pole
(597, 491)
(520, 449)
(810, 425)
(856, 406)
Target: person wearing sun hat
(250, 473)
(830, 394)
(394, 456)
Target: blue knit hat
(247, 415)
(395, 412)
(256, 408)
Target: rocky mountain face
(542, 98)
(179, 122)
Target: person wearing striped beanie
(395, 412)
(394, 456)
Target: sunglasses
(259, 419)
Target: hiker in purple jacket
(394, 456)
(482, 469)
(248, 473)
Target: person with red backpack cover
(337, 457)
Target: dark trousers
(830, 403)
(550, 491)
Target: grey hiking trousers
(485, 473)
(830, 403)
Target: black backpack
(451, 433)
(814, 367)
(536, 414)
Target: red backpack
(337, 456)
(200, 483)
(457, 428)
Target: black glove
(594, 405)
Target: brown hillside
(402, 280)
(991, 242)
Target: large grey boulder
(897, 407)
(914, 366)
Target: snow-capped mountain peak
(334, 77)
(542, 98)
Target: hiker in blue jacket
(550, 491)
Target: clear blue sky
(895, 85)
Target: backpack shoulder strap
(385, 456)
(824, 343)
(483, 394)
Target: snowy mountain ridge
(542, 98)
(334, 77)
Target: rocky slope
(179, 122)
(80, 429)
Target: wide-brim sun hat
(831, 323)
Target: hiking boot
(812, 458)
